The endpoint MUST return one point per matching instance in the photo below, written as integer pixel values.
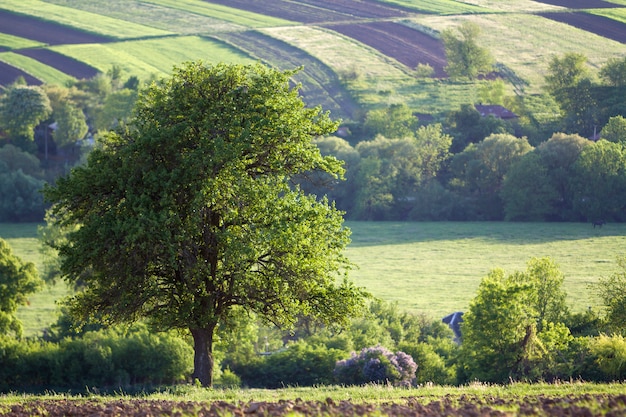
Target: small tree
(21, 109)
(465, 57)
(190, 212)
(18, 279)
(378, 365)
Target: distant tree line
(461, 166)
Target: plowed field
(408, 46)
(600, 25)
(63, 63)
(582, 405)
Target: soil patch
(63, 63)
(600, 25)
(582, 405)
(406, 45)
(8, 74)
(296, 12)
(45, 31)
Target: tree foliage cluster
(43, 130)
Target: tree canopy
(189, 212)
(465, 57)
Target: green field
(518, 38)
(430, 268)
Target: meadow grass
(81, 20)
(432, 268)
(42, 308)
(435, 268)
(15, 42)
(36, 69)
(370, 394)
(615, 14)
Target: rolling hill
(356, 53)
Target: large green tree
(18, 279)
(465, 57)
(190, 212)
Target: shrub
(378, 365)
(611, 355)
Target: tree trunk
(203, 355)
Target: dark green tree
(613, 72)
(21, 109)
(71, 124)
(615, 130)
(598, 182)
(18, 279)
(190, 213)
(394, 122)
(465, 57)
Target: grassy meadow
(430, 268)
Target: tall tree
(465, 57)
(21, 109)
(190, 212)
(18, 279)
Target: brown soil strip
(44, 31)
(63, 63)
(8, 74)
(600, 25)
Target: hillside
(356, 53)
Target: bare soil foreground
(466, 406)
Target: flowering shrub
(376, 364)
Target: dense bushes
(97, 359)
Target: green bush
(301, 364)
(610, 354)
(100, 359)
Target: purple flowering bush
(376, 364)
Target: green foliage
(21, 109)
(13, 158)
(117, 109)
(566, 72)
(498, 330)
(395, 122)
(190, 212)
(479, 171)
(598, 183)
(20, 197)
(465, 57)
(103, 359)
(18, 279)
(612, 292)
(467, 126)
(611, 355)
(300, 364)
(71, 125)
(613, 72)
(615, 130)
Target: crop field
(400, 35)
(565, 399)
(429, 268)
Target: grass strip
(81, 20)
(35, 68)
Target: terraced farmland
(52, 41)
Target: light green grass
(42, 309)
(152, 57)
(615, 14)
(435, 268)
(35, 68)
(370, 394)
(15, 42)
(78, 19)
(443, 7)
